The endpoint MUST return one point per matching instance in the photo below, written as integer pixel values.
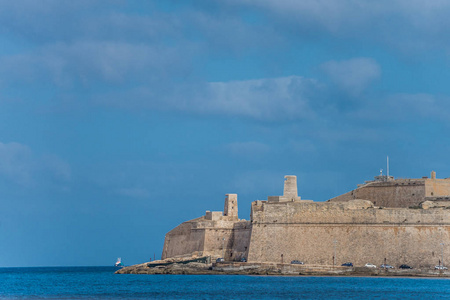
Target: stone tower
(290, 187)
(231, 207)
(290, 192)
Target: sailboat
(119, 262)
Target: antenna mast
(387, 161)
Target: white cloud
(354, 75)
(409, 25)
(59, 168)
(20, 165)
(264, 182)
(247, 149)
(16, 163)
(134, 192)
(86, 62)
(402, 107)
(270, 99)
(302, 146)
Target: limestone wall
(241, 240)
(307, 232)
(418, 246)
(347, 227)
(437, 187)
(237, 238)
(398, 193)
(208, 237)
(183, 239)
(343, 213)
(217, 237)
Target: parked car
(370, 266)
(383, 266)
(405, 267)
(220, 259)
(440, 268)
(243, 259)
(296, 262)
(347, 264)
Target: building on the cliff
(398, 221)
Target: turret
(230, 209)
(290, 192)
(290, 187)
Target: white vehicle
(370, 266)
(440, 268)
(383, 266)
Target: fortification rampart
(204, 237)
(219, 234)
(183, 239)
(419, 246)
(437, 187)
(351, 212)
(399, 192)
(406, 221)
(356, 232)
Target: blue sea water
(102, 283)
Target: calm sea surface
(101, 283)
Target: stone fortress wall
(354, 231)
(345, 228)
(386, 191)
(216, 234)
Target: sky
(120, 119)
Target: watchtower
(290, 187)
(290, 192)
(230, 209)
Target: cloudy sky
(121, 119)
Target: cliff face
(285, 228)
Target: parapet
(213, 215)
(358, 204)
(230, 211)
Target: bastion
(387, 220)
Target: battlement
(213, 215)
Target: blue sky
(122, 119)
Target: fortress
(387, 220)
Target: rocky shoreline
(204, 266)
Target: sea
(102, 283)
